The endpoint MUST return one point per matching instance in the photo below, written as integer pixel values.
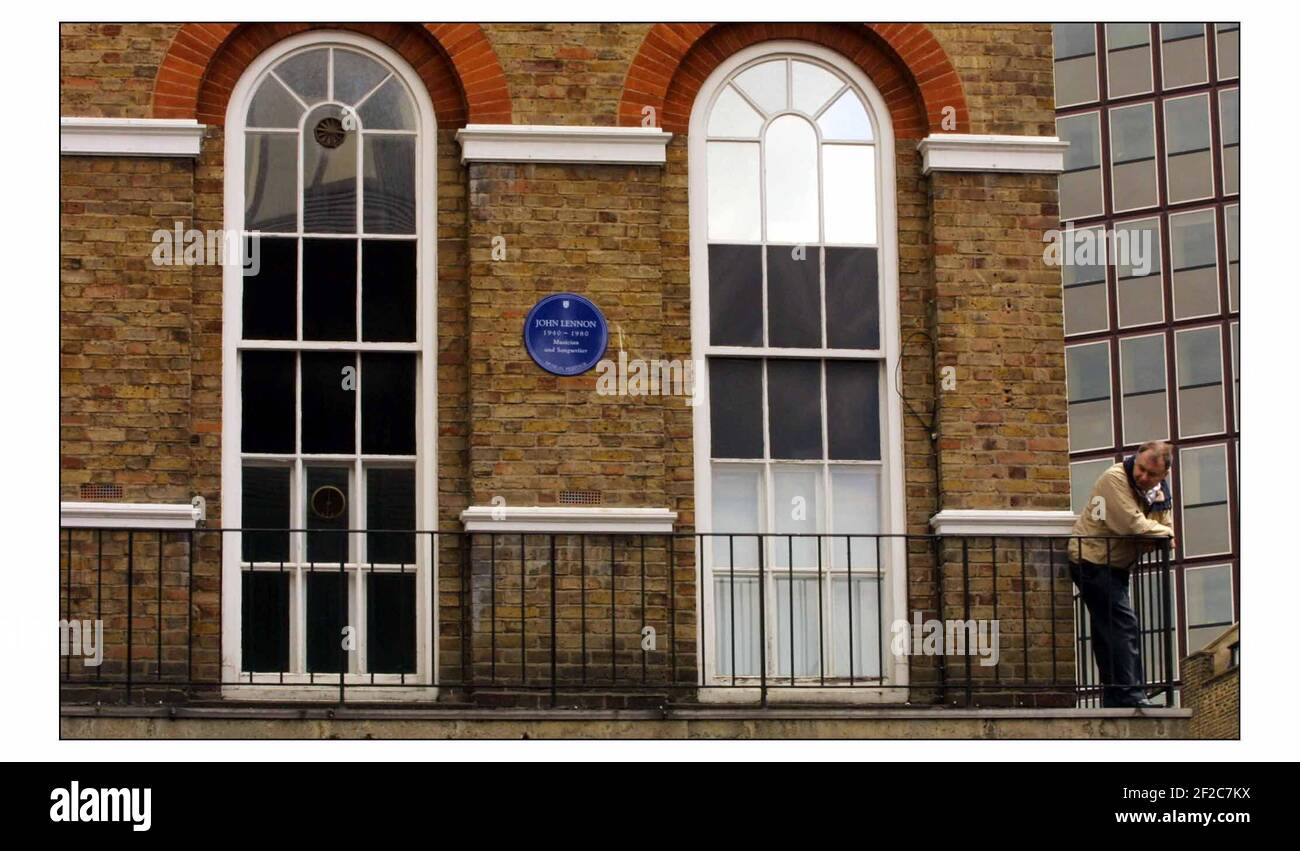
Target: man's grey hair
(1161, 448)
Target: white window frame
(1209, 130)
(426, 427)
(1182, 500)
(1155, 157)
(1096, 77)
(1123, 420)
(1205, 55)
(1101, 161)
(1218, 262)
(1188, 626)
(1178, 384)
(1104, 241)
(1218, 74)
(893, 551)
(1159, 256)
(1151, 68)
(1223, 145)
(1110, 391)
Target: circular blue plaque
(565, 334)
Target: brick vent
(93, 490)
(579, 497)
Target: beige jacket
(1114, 509)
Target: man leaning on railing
(1130, 499)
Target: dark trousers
(1115, 638)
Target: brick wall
(1212, 689)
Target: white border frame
(1164, 375)
(892, 490)
(1153, 216)
(1232, 601)
(1218, 262)
(1096, 74)
(1110, 392)
(1218, 76)
(1151, 62)
(1155, 157)
(426, 427)
(1209, 132)
(1178, 382)
(1205, 56)
(1101, 181)
(1182, 501)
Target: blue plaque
(565, 334)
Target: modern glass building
(1152, 311)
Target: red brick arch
(904, 61)
(456, 62)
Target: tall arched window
(328, 391)
(793, 265)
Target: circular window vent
(330, 133)
(328, 502)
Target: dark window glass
(267, 389)
(390, 623)
(735, 295)
(271, 296)
(327, 509)
(265, 506)
(794, 296)
(794, 408)
(329, 400)
(327, 597)
(390, 504)
(852, 301)
(265, 615)
(736, 402)
(388, 290)
(389, 184)
(329, 289)
(853, 410)
(388, 404)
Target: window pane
(790, 173)
(1133, 152)
(389, 108)
(794, 405)
(1226, 56)
(1230, 131)
(1200, 382)
(1195, 270)
(271, 181)
(264, 615)
(856, 626)
(1236, 374)
(796, 510)
(735, 295)
(1209, 601)
(390, 184)
(273, 106)
(1083, 278)
(390, 623)
(267, 392)
(328, 504)
(1187, 139)
(733, 116)
(1128, 59)
(329, 401)
(1087, 372)
(387, 404)
(329, 289)
(265, 505)
(1232, 222)
(846, 119)
(388, 307)
(736, 403)
(794, 298)
(849, 193)
(1080, 183)
(1204, 477)
(765, 84)
(855, 493)
(390, 504)
(852, 298)
(355, 75)
(798, 618)
(329, 203)
(306, 74)
(270, 307)
(734, 204)
(1083, 475)
(1137, 268)
(737, 497)
(813, 86)
(327, 614)
(1182, 55)
(1076, 63)
(736, 637)
(1142, 382)
(853, 410)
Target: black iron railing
(488, 617)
